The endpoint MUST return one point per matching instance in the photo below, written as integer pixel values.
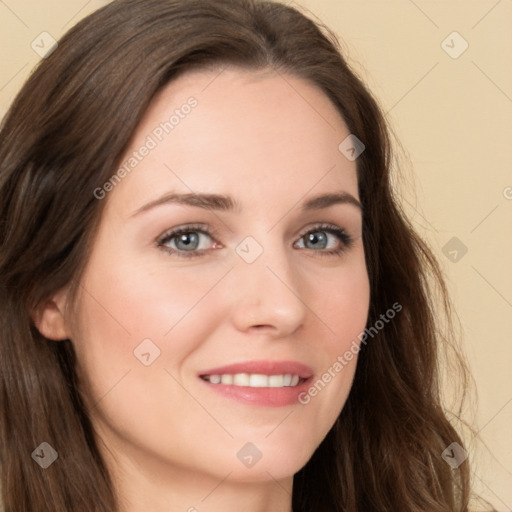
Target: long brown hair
(62, 139)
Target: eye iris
(318, 239)
(189, 241)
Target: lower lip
(267, 397)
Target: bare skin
(269, 141)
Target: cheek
(128, 319)
(342, 306)
(138, 321)
(127, 302)
(342, 302)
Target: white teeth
(241, 379)
(255, 380)
(275, 381)
(258, 381)
(227, 379)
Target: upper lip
(263, 367)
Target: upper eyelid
(323, 225)
(186, 229)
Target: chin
(275, 459)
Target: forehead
(244, 133)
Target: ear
(49, 317)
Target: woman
(210, 298)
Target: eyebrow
(226, 203)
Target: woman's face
(261, 276)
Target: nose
(266, 295)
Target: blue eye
(188, 241)
(192, 241)
(326, 240)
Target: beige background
(453, 117)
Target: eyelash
(345, 239)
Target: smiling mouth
(255, 380)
